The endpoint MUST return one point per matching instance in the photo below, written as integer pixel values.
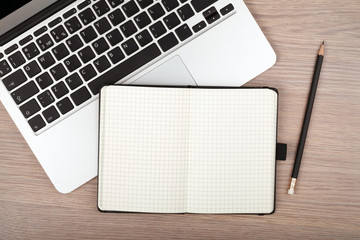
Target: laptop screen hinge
(34, 20)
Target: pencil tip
(321, 50)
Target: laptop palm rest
(172, 72)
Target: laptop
(56, 55)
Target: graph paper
(198, 150)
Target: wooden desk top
(327, 200)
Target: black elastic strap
(281, 151)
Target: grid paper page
(232, 151)
(143, 149)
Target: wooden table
(327, 200)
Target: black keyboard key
(157, 29)
(168, 42)
(130, 8)
(69, 13)
(46, 60)
(142, 20)
(185, 12)
(200, 5)
(16, 59)
(125, 68)
(80, 96)
(73, 81)
(143, 38)
(44, 80)
(156, 11)
(46, 98)
(114, 37)
(116, 17)
(128, 28)
(14, 80)
(209, 12)
(171, 21)
(30, 108)
(74, 43)
(170, 4)
(40, 31)
(87, 16)
(65, 106)
(100, 46)
(4, 68)
(58, 72)
(36, 123)
(25, 92)
(51, 114)
(60, 51)
(116, 55)
(130, 46)
(84, 4)
(211, 15)
(115, 3)
(88, 34)
(73, 25)
(30, 51)
(101, 8)
(228, 8)
(60, 90)
(59, 33)
(144, 3)
(32, 69)
(102, 64)
(25, 40)
(72, 63)
(86, 54)
(11, 49)
(201, 25)
(54, 22)
(88, 72)
(183, 32)
(102, 26)
(44, 42)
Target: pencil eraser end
(291, 190)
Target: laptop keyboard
(62, 66)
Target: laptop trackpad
(172, 72)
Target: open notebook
(193, 150)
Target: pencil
(307, 117)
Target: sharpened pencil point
(322, 49)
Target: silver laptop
(56, 55)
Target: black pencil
(307, 117)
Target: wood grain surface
(327, 200)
